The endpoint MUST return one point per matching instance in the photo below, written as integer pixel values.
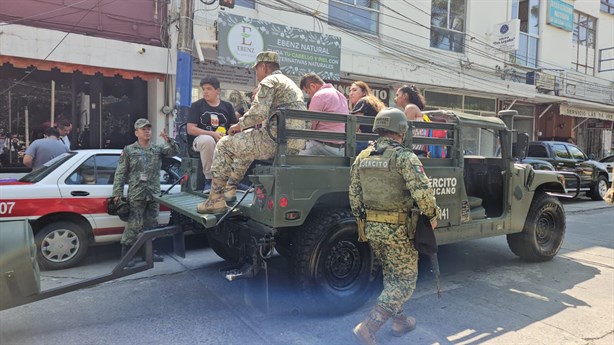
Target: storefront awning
(19, 62)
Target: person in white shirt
(65, 127)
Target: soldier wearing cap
(386, 179)
(139, 166)
(248, 139)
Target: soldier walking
(140, 165)
(234, 153)
(386, 179)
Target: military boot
(402, 325)
(365, 331)
(230, 191)
(215, 203)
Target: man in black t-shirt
(208, 120)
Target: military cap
(266, 56)
(140, 123)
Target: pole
(25, 113)
(183, 85)
(52, 104)
(10, 112)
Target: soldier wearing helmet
(386, 180)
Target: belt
(399, 218)
(337, 146)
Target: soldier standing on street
(234, 153)
(386, 179)
(140, 165)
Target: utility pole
(183, 83)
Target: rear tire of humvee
(543, 232)
(334, 272)
(222, 250)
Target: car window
(47, 168)
(561, 151)
(609, 159)
(576, 153)
(98, 170)
(537, 151)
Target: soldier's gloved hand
(433, 223)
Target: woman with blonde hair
(363, 102)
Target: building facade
(558, 73)
(552, 60)
(99, 65)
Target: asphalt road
(489, 297)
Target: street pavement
(489, 297)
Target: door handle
(79, 193)
(559, 164)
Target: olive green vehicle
(299, 205)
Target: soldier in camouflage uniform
(234, 154)
(140, 165)
(386, 179)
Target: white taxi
(65, 201)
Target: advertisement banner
(560, 14)
(506, 35)
(240, 39)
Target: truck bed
(185, 203)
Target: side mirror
(591, 156)
(522, 145)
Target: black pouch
(424, 240)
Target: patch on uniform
(374, 163)
(414, 160)
(382, 121)
(419, 169)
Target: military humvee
(299, 205)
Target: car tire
(543, 232)
(60, 245)
(333, 271)
(599, 189)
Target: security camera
(141, 50)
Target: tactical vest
(383, 187)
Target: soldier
(140, 165)
(234, 153)
(386, 179)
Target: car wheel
(599, 189)
(544, 230)
(60, 245)
(331, 267)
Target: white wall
(35, 43)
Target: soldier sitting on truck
(234, 153)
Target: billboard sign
(240, 39)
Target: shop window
(584, 32)
(479, 103)
(607, 6)
(528, 13)
(443, 100)
(246, 3)
(360, 15)
(448, 25)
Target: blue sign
(560, 14)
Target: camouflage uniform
(135, 163)
(234, 154)
(389, 177)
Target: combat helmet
(391, 119)
(120, 208)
